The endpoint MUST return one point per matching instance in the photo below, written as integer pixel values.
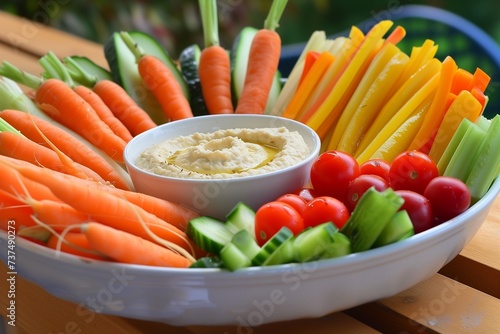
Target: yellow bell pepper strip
(315, 42)
(311, 58)
(398, 142)
(425, 93)
(343, 57)
(346, 83)
(464, 106)
(408, 89)
(309, 83)
(367, 98)
(438, 108)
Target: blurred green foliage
(176, 23)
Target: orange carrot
(20, 147)
(18, 184)
(108, 208)
(32, 125)
(480, 80)
(159, 79)
(172, 213)
(214, 67)
(14, 210)
(262, 65)
(396, 35)
(128, 248)
(103, 111)
(60, 102)
(135, 119)
(309, 61)
(461, 81)
(75, 243)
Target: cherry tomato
(332, 172)
(306, 193)
(294, 200)
(359, 185)
(378, 167)
(325, 209)
(419, 209)
(448, 196)
(412, 170)
(272, 216)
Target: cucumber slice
(91, 68)
(124, 70)
(312, 242)
(246, 243)
(284, 254)
(234, 258)
(207, 262)
(189, 61)
(239, 62)
(370, 216)
(208, 233)
(486, 165)
(340, 246)
(241, 217)
(272, 245)
(400, 227)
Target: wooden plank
(437, 305)
(33, 38)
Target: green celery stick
(452, 145)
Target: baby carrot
(32, 126)
(13, 209)
(104, 113)
(214, 67)
(135, 119)
(59, 101)
(75, 243)
(263, 62)
(158, 78)
(128, 248)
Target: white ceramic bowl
(251, 296)
(216, 197)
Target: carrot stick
(60, 102)
(75, 243)
(158, 78)
(32, 125)
(214, 67)
(135, 119)
(437, 109)
(262, 65)
(480, 80)
(461, 81)
(396, 35)
(128, 248)
(103, 111)
(311, 58)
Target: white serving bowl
(216, 197)
(251, 296)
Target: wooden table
(462, 298)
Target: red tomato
(359, 185)
(332, 172)
(294, 200)
(412, 170)
(306, 193)
(325, 209)
(272, 216)
(419, 209)
(448, 196)
(378, 167)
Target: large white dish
(251, 296)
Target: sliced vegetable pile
(405, 145)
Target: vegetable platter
(201, 298)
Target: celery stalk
(486, 166)
(452, 145)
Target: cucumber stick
(124, 70)
(189, 61)
(239, 61)
(241, 217)
(486, 165)
(399, 227)
(370, 216)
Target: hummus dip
(225, 153)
